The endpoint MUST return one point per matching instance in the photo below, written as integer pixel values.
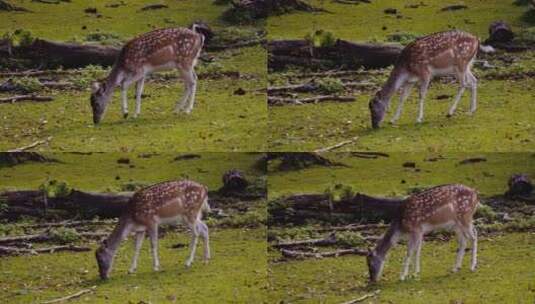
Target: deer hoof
(131, 270)
(449, 115)
(125, 115)
(455, 269)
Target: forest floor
(503, 121)
(221, 120)
(505, 272)
(238, 268)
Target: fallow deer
(166, 202)
(439, 54)
(447, 206)
(169, 48)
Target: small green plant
(350, 239)
(252, 219)
(330, 86)
(27, 84)
(87, 76)
(339, 192)
(19, 37)
(64, 235)
(321, 38)
(211, 68)
(55, 188)
(486, 212)
(403, 38)
(104, 38)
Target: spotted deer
(439, 54)
(447, 206)
(169, 48)
(166, 202)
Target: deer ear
(95, 86)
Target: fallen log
(279, 101)
(6, 250)
(352, 227)
(326, 241)
(30, 97)
(343, 53)
(45, 237)
(499, 32)
(298, 209)
(8, 7)
(300, 160)
(294, 254)
(313, 86)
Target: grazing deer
(447, 206)
(439, 54)
(169, 48)
(162, 203)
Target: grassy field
(236, 273)
(503, 121)
(505, 274)
(221, 120)
(102, 172)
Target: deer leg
(420, 241)
(405, 92)
(473, 86)
(461, 238)
(153, 235)
(411, 247)
(473, 237)
(462, 81)
(137, 248)
(424, 85)
(182, 103)
(203, 230)
(124, 97)
(193, 243)
(193, 78)
(139, 90)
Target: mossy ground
(506, 272)
(236, 273)
(503, 121)
(220, 121)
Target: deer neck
(389, 240)
(395, 81)
(119, 233)
(113, 80)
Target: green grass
(365, 22)
(505, 275)
(101, 172)
(236, 273)
(220, 121)
(503, 121)
(388, 177)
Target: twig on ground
(69, 297)
(277, 101)
(16, 251)
(364, 297)
(338, 145)
(295, 254)
(17, 98)
(32, 145)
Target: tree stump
(234, 181)
(519, 184)
(500, 32)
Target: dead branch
(31, 97)
(38, 73)
(45, 237)
(364, 297)
(326, 241)
(66, 224)
(32, 145)
(311, 86)
(295, 254)
(5, 250)
(278, 101)
(352, 227)
(338, 145)
(69, 297)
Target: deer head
(203, 29)
(375, 265)
(99, 100)
(377, 110)
(104, 260)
